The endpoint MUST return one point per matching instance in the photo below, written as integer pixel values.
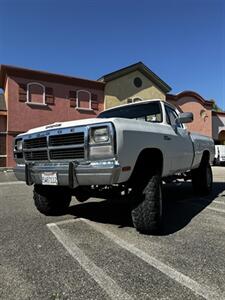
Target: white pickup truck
(219, 155)
(131, 150)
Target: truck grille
(36, 155)
(53, 147)
(36, 143)
(72, 153)
(66, 139)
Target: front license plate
(49, 178)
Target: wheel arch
(205, 157)
(148, 162)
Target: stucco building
(201, 109)
(133, 83)
(33, 98)
(3, 130)
(137, 82)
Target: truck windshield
(150, 112)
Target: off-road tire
(81, 194)
(202, 179)
(147, 213)
(51, 201)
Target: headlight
(99, 135)
(19, 145)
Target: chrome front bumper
(71, 174)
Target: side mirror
(186, 117)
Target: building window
(3, 161)
(83, 100)
(133, 100)
(2, 144)
(35, 93)
(138, 82)
(3, 155)
(171, 118)
(137, 100)
(203, 114)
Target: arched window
(35, 93)
(137, 99)
(83, 99)
(222, 137)
(133, 100)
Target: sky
(182, 41)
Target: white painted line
(103, 280)
(216, 209)
(182, 279)
(219, 202)
(12, 182)
(67, 221)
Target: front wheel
(202, 179)
(82, 194)
(51, 201)
(147, 213)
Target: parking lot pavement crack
(177, 276)
(112, 289)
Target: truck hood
(60, 125)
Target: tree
(215, 107)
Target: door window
(171, 118)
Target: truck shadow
(180, 207)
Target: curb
(6, 170)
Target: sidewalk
(218, 173)
(7, 174)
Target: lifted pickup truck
(129, 150)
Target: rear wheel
(147, 213)
(51, 201)
(202, 178)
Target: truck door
(181, 146)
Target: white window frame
(132, 99)
(139, 99)
(77, 100)
(28, 93)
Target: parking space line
(208, 207)
(63, 222)
(112, 289)
(216, 209)
(182, 279)
(218, 202)
(12, 182)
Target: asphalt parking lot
(93, 252)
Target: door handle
(167, 138)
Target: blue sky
(182, 41)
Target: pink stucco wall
(202, 114)
(23, 116)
